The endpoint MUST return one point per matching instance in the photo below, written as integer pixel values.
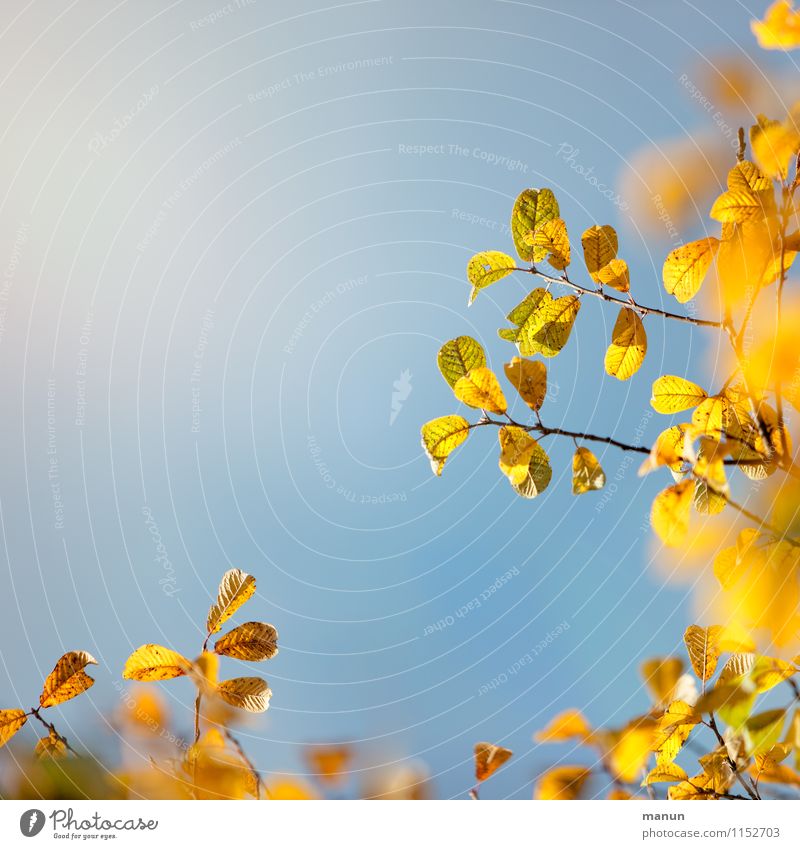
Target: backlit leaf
(562, 783)
(661, 677)
(568, 725)
(440, 437)
(234, 590)
(702, 645)
(458, 357)
(486, 268)
(254, 641)
(685, 268)
(615, 275)
(600, 246)
(531, 210)
(481, 389)
(672, 394)
(763, 730)
(539, 474)
(152, 662)
(626, 353)
(11, 721)
(67, 679)
(488, 759)
(737, 206)
(665, 772)
(51, 746)
(780, 29)
(552, 237)
(529, 378)
(516, 450)
(669, 515)
(774, 146)
(587, 473)
(544, 324)
(250, 694)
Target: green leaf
(440, 437)
(531, 210)
(458, 357)
(544, 324)
(486, 268)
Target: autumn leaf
(234, 590)
(626, 353)
(152, 662)
(562, 783)
(480, 389)
(11, 721)
(458, 357)
(51, 746)
(329, 763)
(702, 644)
(529, 378)
(600, 246)
(532, 209)
(774, 145)
(674, 729)
(67, 679)
(685, 268)
(669, 450)
(440, 437)
(538, 476)
(543, 324)
(631, 749)
(254, 641)
(762, 731)
(486, 268)
(488, 759)
(737, 206)
(661, 677)
(669, 515)
(664, 772)
(673, 394)
(587, 473)
(615, 275)
(516, 450)
(552, 238)
(780, 29)
(250, 694)
(567, 725)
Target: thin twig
(243, 755)
(52, 729)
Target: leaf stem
(52, 729)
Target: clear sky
(227, 232)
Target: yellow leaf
(780, 29)
(600, 246)
(718, 772)
(763, 730)
(458, 357)
(702, 645)
(539, 474)
(152, 662)
(51, 746)
(745, 176)
(748, 258)
(67, 679)
(440, 437)
(674, 729)
(665, 772)
(516, 450)
(543, 324)
(250, 694)
(768, 672)
(529, 378)
(625, 355)
(11, 721)
(661, 676)
(631, 750)
(710, 416)
(567, 725)
(562, 783)
(253, 641)
(774, 146)
(672, 394)
(234, 590)
(552, 237)
(736, 667)
(486, 268)
(615, 275)
(329, 763)
(669, 450)
(669, 515)
(587, 473)
(697, 787)
(685, 268)
(737, 206)
(532, 209)
(481, 389)
(488, 759)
